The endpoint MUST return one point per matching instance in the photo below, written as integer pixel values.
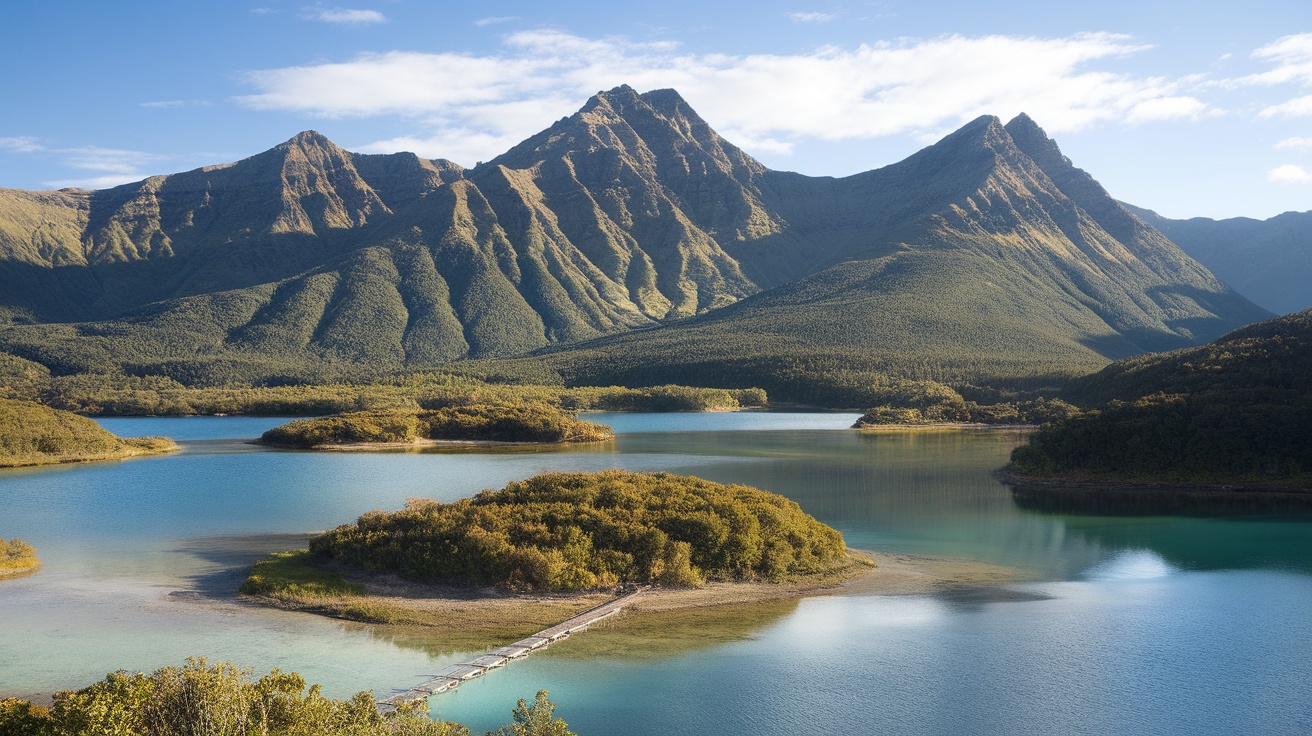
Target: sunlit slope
(987, 254)
(977, 266)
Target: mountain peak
(1033, 140)
(309, 139)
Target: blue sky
(1192, 109)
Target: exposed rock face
(630, 213)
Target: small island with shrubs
(17, 558)
(471, 423)
(34, 434)
(514, 560)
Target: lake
(1126, 624)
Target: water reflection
(1129, 627)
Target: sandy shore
(20, 571)
(478, 616)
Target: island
(17, 558)
(35, 434)
(471, 423)
(507, 563)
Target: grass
(294, 580)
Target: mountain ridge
(632, 213)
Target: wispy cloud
(1297, 143)
(1291, 57)
(105, 167)
(495, 20)
(812, 17)
(1289, 174)
(918, 87)
(174, 104)
(1299, 107)
(21, 144)
(346, 16)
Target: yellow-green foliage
(579, 531)
(22, 379)
(122, 395)
(200, 698)
(289, 575)
(1036, 411)
(32, 434)
(501, 423)
(17, 555)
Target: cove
(1128, 624)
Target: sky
(1190, 109)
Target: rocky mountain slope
(985, 254)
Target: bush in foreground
(222, 700)
(582, 531)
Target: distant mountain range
(629, 232)
(1268, 261)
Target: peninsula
(34, 434)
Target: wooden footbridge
(455, 674)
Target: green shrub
(579, 531)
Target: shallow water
(1132, 624)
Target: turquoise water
(1130, 624)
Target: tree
(535, 720)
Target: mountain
(1268, 261)
(985, 257)
(630, 229)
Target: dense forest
(477, 422)
(32, 434)
(581, 531)
(118, 394)
(221, 699)
(1237, 410)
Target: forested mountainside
(1233, 411)
(1268, 261)
(631, 224)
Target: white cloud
(1169, 108)
(345, 16)
(1299, 107)
(21, 144)
(921, 88)
(1296, 143)
(812, 17)
(1289, 174)
(1292, 57)
(107, 181)
(495, 20)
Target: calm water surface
(1129, 625)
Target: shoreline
(937, 426)
(412, 444)
(127, 453)
(486, 615)
(20, 572)
(1009, 475)
(1121, 497)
